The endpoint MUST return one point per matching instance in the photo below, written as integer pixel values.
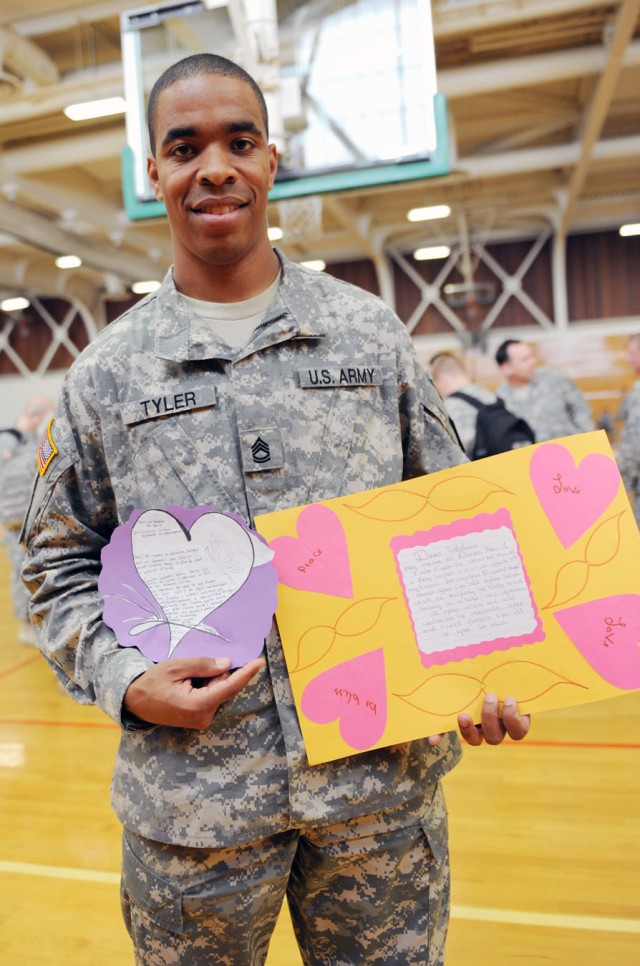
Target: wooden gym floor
(545, 834)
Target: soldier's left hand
(495, 723)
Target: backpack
(497, 428)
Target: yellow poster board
(401, 607)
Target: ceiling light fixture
(428, 214)
(14, 304)
(68, 261)
(631, 229)
(433, 252)
(275, 233)
(316, 264)
(145, 287)
(104, 107)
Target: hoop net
(300, 218)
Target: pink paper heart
(355, 692)
(607, 634)
(318, 558)
(573, 497)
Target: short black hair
(502, 352)
(193, 66)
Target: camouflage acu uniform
(158, 411)
(16, 480)
(629, 447)
(551, 403)
(464, 415)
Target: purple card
(180, 582)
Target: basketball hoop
(467, 295)
(300, 218)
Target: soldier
(222, 815)
(450, 377)
(549, 401)
(17, 471)
(628, 454)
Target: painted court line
(546, 920)
(532, 743)
(471, 913)
(42, 722)
(59, 872)
(20, 666)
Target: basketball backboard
(350, 86)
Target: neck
(456, 384)
(227, 282)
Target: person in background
(549, 401)
(628, 450)
(450, 376)
(17, 472)
(9, 440)
(222, 815)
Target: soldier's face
(521, 363)
(213, 170)
(634, 354)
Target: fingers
(184, 668)
(493, 729)
(206, 699)
(471, 733)
(495, 724)
(233, 683)
(186, 693)
(517, 725)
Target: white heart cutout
(193, 572)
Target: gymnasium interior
(506, 205)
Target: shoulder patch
(47, 449)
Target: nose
(216, 166)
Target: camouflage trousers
(358, 899)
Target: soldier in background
(450, 377)
(628, 452)
(9, 439)
(17, 472)
(550, 402)
(222, 814)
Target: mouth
(217, 209)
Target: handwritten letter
(466, 588)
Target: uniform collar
(297, 311)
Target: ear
(273, 164)
(152, 171)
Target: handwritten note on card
(187, 582)
(466, 588)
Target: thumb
(198, 667)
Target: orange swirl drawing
(453, 495)
(320, 638)
(539, 683)
(573, 576)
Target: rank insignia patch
(47, 449)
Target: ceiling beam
(597, 110)
(88, 211)
(43, 235)
(107, 80)
(452, 17)
(553, 156)
(526, 71)
(26, 59)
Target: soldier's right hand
(186, 692)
